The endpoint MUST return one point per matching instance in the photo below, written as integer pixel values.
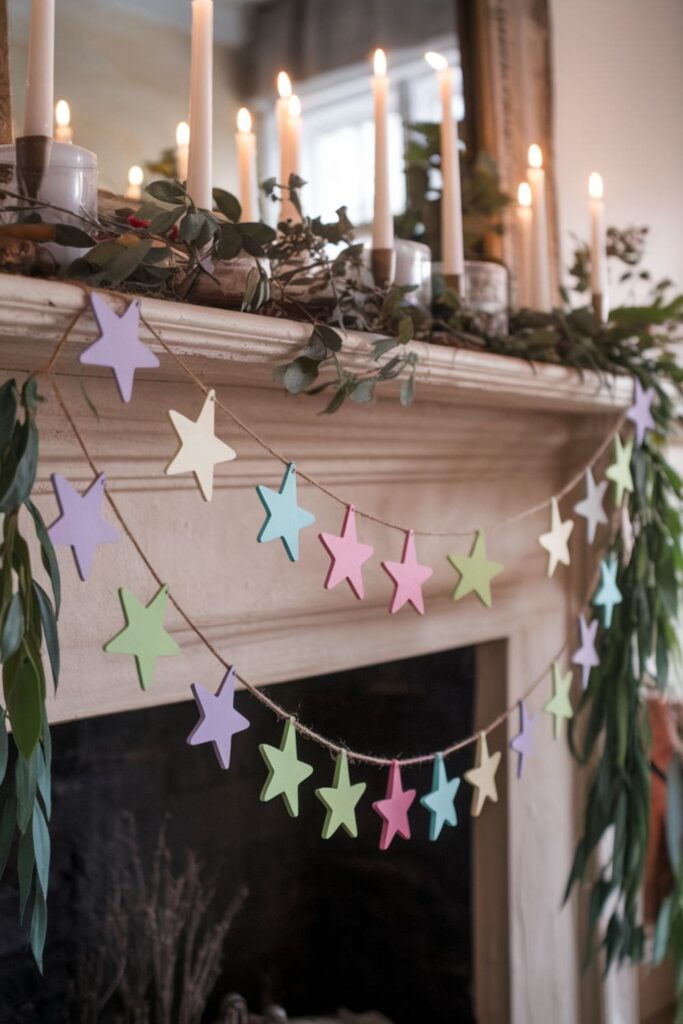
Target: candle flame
(294, 108)
(524, 194)
(136, 176)
(284, 85)
(182, 134)
(436, 60)
(243, 121)
(596, 189)
(379, 62)
(535, 156)
(63, 114)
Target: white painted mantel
(486, 437)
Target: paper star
(200, 450)
(521, 743)
(218, 718)
(556, 542)
(144, 635)
(341, 799)
(586, 656)
(440, 802)
(591, 508)
(284, 518)
(81, 524)
(560, 705)
(609, 594)
(408, 575)
(118, 345)
(620, 470)
(476, 572)
(628, 537)
(394, 808)
(640, 413)
(348, 556)
(285, 771)
(483, 776)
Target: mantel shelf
(225, 346)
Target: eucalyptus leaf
(228, 204)
(12, 628)
(22, 686)
(8, 820)
(47, 553)
(68, 234)
(300, 375)
(41, 848)
(363, 392)
(38, 928)
(25, 865)
(166, 191)
(8, 410)
(47, 617)
(674, 811)
(4, 748)
(21, 484)
(26, 778)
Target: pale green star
(476, 572)
(440, 802)
(144, 635)
(341, 799)
(620, 470)
(560, 705)
(285, 771)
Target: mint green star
(340, 799)
(620, 470)
(144, 635)
(609, 594)
(560, 705)
(476, 572)
(285, 771)
(284, 517)
(440, 802)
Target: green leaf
(329, 337)
(21, 485)
(4, 747)
(7, 826)
(41, 848)
(228, 204)
(253, 247)
(125, 261)
(405, 330)
(47, 617)
(363, 392)
(26, 780)
(38, 929)
(674, 812)
(661, 936)
(300, 375)
(335, 402)
(47, 553)
(43, 762)
(260, 232)
(13, 628)
(229, 244)
(166, 191)
(8, 410)
(164, 221)
(22, 686)
(408, 390)
(68, 234)
(25, 865)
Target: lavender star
(119, 345)
(521, 743)
(639, 414)
(218, 719)
(81, 524)
(586, 656)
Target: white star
(483, 776)
(591, 508)
(200, 450)
(556, 542)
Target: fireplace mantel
(486, 437)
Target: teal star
(284, 517)
(609, 594)
(441, 801)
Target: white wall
(127, 81)
(618, 68)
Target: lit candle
(284, 92)
(452, 246)
(136, 176)
(63, 129)
(524, 245)
(541, 290)
(40, 75)
(382, 223)
(598, 247)
(246, 165)
(182, 149)
(201, 105)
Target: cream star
(483, 776)
(200, 450)
(556, 542)
(591, 508)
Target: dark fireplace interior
(324, 924)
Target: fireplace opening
(323, 924)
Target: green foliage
(28, 616)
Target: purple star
(521, 743)
(586, 656)
(81, 524)
(218, 719)
(118, 345)
(639, 414)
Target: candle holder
(414, 267)
(383, 265)
(59, 174)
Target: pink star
(118, 345)
(408, 575)
(394, 808)
(348, 555)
